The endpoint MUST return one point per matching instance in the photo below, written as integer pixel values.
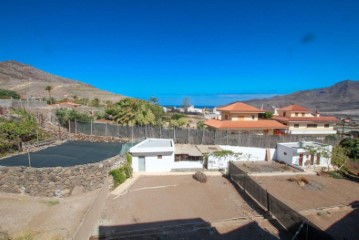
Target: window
(311, 125)
(296, 125)
(326, 125)
(284, 114)
(303, 114)
(159, 156)
(285, 153)
(225, 117)
(253, 117)
(296, 114)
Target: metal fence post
(91, 128)
(69, 122)
(174, 134)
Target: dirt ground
(164, 199)
(264, 167)
(329, 203)
(321, 191)
(26, 217)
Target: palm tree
(49, 88)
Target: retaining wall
(59, 181)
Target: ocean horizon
(208, 100)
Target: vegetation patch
(51, 203)
(120, 174)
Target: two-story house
(301, 121)
(242, 117)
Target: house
(304, 154)
(301, 121)
(153, 155)
(241, 117)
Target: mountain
(29, 81)
(342, 96)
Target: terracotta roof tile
(260, 124)
(239, 107)
(306, 119)
(294, 108)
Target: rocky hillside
(29, 81)
(339, 97)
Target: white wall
(285, 154)
(152, 163)
(187, 164)
(247, 154)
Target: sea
(208, 100)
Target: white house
(153, 155)
(304, 154)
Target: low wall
(58, 181)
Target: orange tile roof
(306, 119)
(260, 124)
(239, 107)
(294, 108)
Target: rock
(77, 190)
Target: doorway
(141, 164)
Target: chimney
(317, 113)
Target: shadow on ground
(181, 229)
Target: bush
(119, 176)
(200, 177)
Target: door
(141, 164)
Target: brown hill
(29, 81)
(342, 96)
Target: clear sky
(168, 48)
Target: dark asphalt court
(68, 154)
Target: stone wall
(59, 181)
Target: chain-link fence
(188, 136)
(298, 225)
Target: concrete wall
(285, 154)
(246, 154)
(59, 181)
(152, 163)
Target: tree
(200, 125)
(267, 115)
(132, 112)
(49, 88)
(351, 145)
(95, 102)
(153, 100)
(339, 156)
(6, 94)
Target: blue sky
(170, 48)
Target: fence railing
(187, 135)
(294, 222)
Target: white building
(153, 155)
(304, 154)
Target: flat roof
(208, 149)
(303, 144)
(153, 145)
(152, 142)
(188, 149)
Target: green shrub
(119, 176)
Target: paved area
(71, 153)
(152, 201)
